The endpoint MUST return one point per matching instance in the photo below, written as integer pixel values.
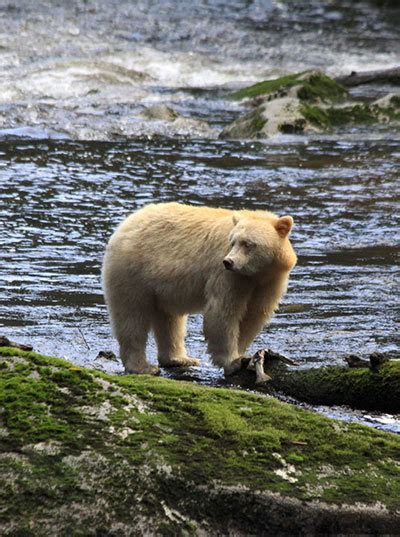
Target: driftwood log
(391, 76)
(372, 384)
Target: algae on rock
(83, 452)
(363, 387)
(304, 102)
(281, 115)
(359, 388)
(312, 86)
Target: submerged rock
(83, 452)
(305, 102)
(160, 112)
(175, 122)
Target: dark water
(76, 157)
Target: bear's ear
(235, 218)
(284, 225)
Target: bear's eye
(247, 244)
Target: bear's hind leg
(132, 343)
(170, 331)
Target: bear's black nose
(228, 264)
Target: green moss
(359, 388)
(250, 126)
(321, 103)
(132, 436)
(220, 420)
(391, 112)
(320, 87)
(338, 117)
(316, 87)
(315, 115)
(214, 419)
(36, 408)
(355, 114)
(34, 357)
(395, 101)
(267, 86)
(257, 122)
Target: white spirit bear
(168, 260)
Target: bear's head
(258, 243)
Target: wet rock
(387, 108)
(5, 342)
(305, 102)
(176, 123)
(89, 453)
(384, 110)
(283, 115)
(107, 355)
(377, 359)
(160, 112)
(353, 360)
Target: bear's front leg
(260, 307)
(222, 334)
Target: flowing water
(77, 154)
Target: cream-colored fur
(167, 260)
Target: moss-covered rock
(372, 384)
(311, 86)
(84, 453)
(283, 115)
(365, 388)
(304, 102)
(382, 111)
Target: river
(77, 154)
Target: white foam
(188, 69)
